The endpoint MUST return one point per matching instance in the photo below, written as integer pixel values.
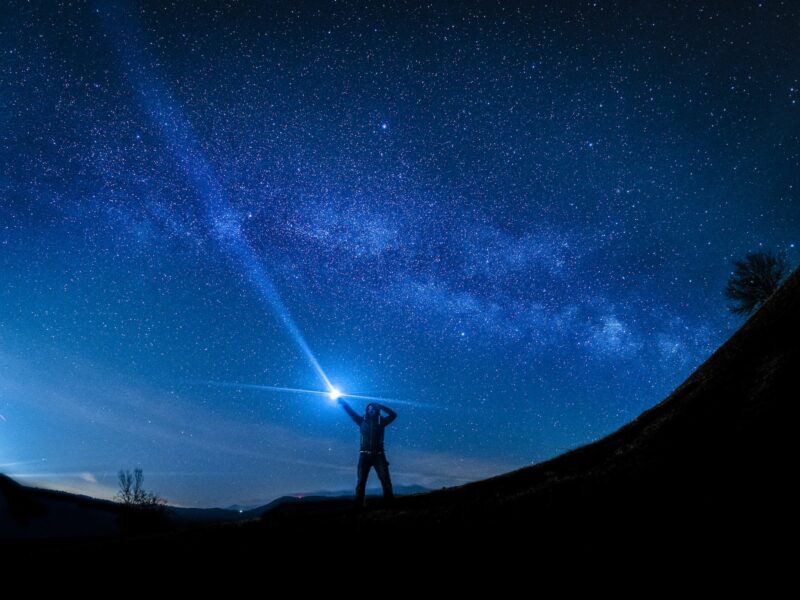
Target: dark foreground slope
(706, 472)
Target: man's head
(372, 411)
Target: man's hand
(390, 414)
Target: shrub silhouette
(142, 511)
(132, 493)
(754, 280)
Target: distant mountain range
(399, 490)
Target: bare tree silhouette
(754, 280)
(132, 493)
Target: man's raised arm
(357, 418)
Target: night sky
(512, 221)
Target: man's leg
(382, 469)
(364, 464)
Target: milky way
(517, 220)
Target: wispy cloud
(79, 482)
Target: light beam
(225, 225)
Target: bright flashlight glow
(334, 394)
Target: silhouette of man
(372, 425)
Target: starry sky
(513, 221)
